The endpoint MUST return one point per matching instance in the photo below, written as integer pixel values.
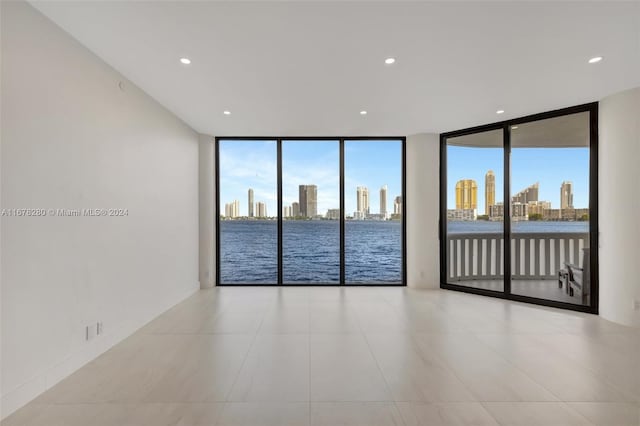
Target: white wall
(619, 201)
(423, 185)
(207, 190)
(72, 139)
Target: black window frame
(341, 140)
(592, 109)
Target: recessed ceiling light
(226, 112)
(514, 127)
(363, 112)
(185, 61)
(390, 61)
(500, 111)
(595, 59)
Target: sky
(548, 166)
(253, 164)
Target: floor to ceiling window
(310, 211)
(310, 195)
(373, 204)
(247, 225)
(532, 182)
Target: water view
(311, 252)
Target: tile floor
(541, 289)
(354, 356)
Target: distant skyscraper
(261, 209)
(232, 209)
(308, 198)
(566, 195)
(489, 191)
(295, 209)
(362, 194)
(250, 202)
(466, 194)
(526, 195)
(397, 206)
(383, 202)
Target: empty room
(319, 213)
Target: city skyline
(232, 209)
(548, 167)
(524, 205)
(253, 164)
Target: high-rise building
(261, 209)
(232, 210)
(526, 195)
(362, 200)
(295, 209)
(308, 199)
(566, 195)
(286, 211)
(397, 206)
(466, 194)
(383, 202)
(489, 191)
(250, 202)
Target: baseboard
(31, 389)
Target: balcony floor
(541, 289)
(354, 356)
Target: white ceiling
(308, 68)
(566, 131)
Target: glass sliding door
(374, 211)
(550, 255)
(247, 226)
(474, 241)
(311, 211)
(520, 202)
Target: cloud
(253, 164)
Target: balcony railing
(535, 256)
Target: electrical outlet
(90, 332)
(636, 305)
(99, 328)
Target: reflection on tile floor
(354, 356)
(540, 289)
